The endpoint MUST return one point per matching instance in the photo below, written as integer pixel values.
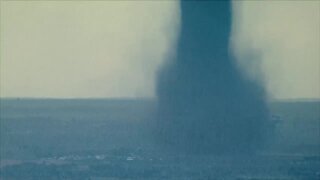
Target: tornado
(204, 102)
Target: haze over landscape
(224, 90)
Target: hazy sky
(84, 49)
(113, 49)
(279, 41)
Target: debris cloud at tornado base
(205, 104)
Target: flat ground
(108, 139)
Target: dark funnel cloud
(205, 105)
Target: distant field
(88, 135)
(37, 128)
(299, 128)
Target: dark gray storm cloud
(205, 105)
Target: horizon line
(141, 98)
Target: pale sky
(69, 49)
(279, 41)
